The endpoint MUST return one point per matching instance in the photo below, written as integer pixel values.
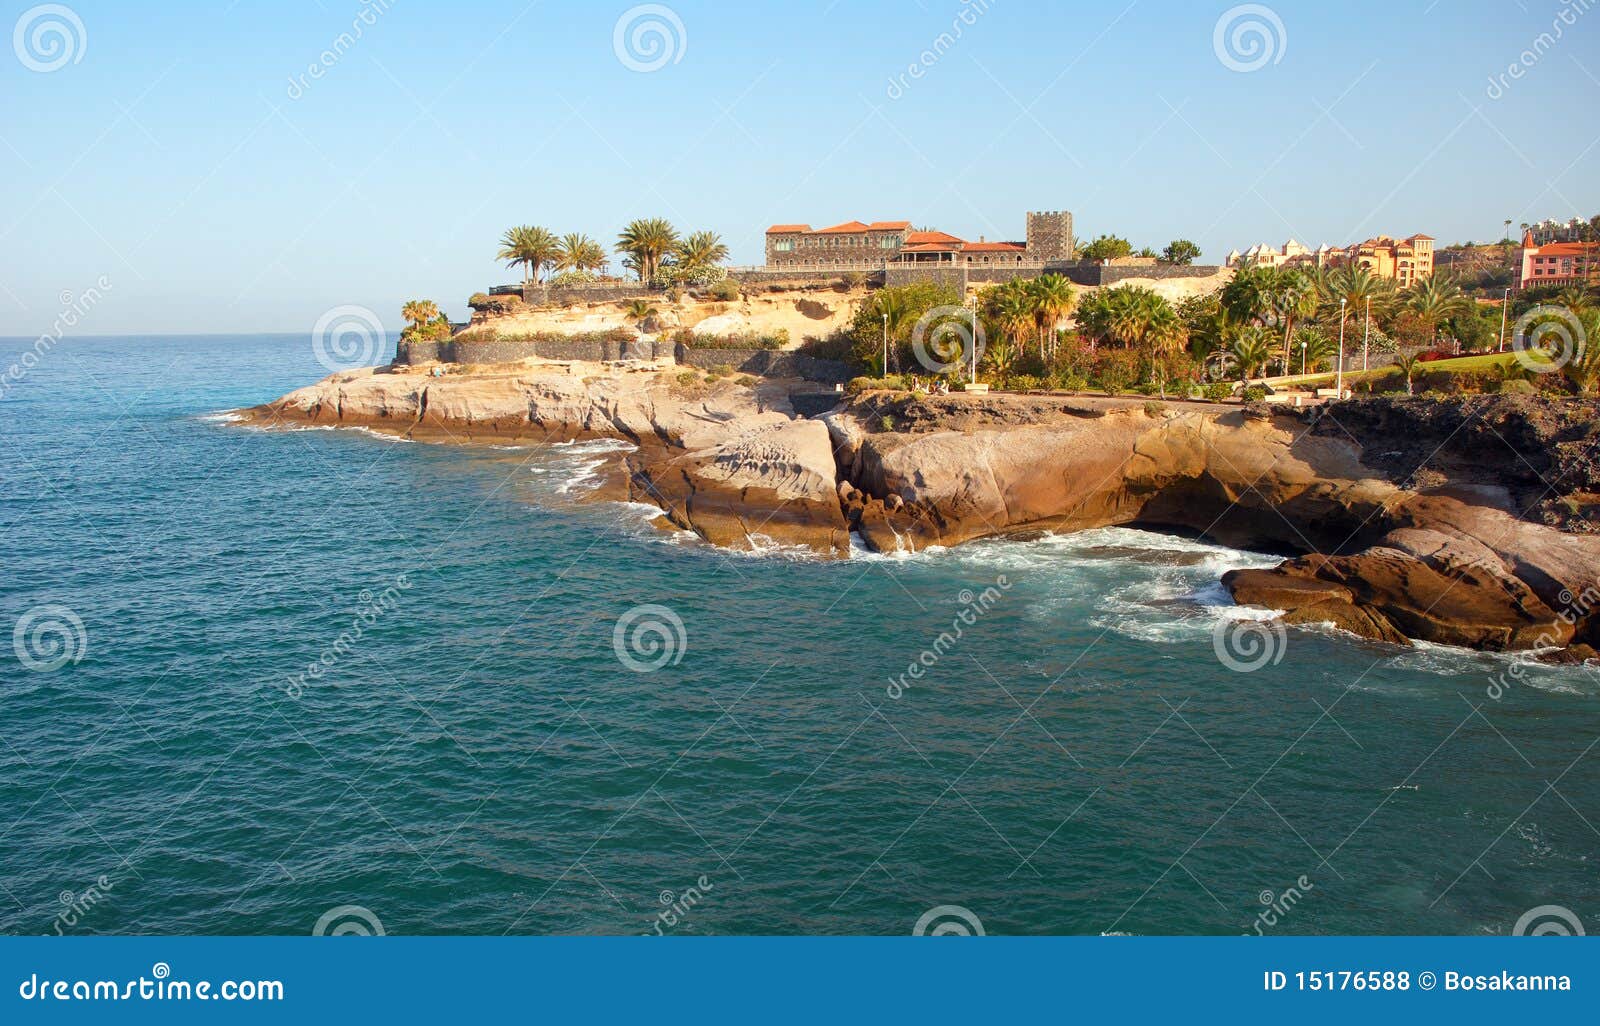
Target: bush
(1517, 386)
(1153, 409)
(721, 370)
(479, 299)
(748, 381)
(688, 377)
(568, 279)
(1025, 383)
(691, 339)
(1217, 391)
(1071, 381)
(726, 291)
(893, 383)
(834, 347)
(1255, 394)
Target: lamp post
(974, 372)
(1302, 359)
(886, 345)
(1338, 380)
(1505, 304)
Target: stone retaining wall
(511, 350)
(767, 363)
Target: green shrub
(721, 370)
(894, 383)
(748, 381)
(726, 291)
(886, 422)
(688, 377)
(1517, 386)
(478, 299)
(1153, 409)
(834, 347)
(1255, 393)
(1217, 391)
(1025, 383)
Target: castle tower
(1050, 235)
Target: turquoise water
(476, 758)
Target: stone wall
(511, 350)
(768, 363)
(1050, 235)
(954, 275)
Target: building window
(784, 245)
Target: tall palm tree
(529, 247)
(701, 249)
(420, 312)
(1053, 297)
(1436, 300)
(578, 252)
(646, 241)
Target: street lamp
(1338, 381)
(974, 372)
(1302, 358)
(886, 344)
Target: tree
(529, 247)
(701, 249)
(904, 306)
(1180, 251)
(1053, 298)
(639, 312)
(1320, 348)
(1583, 369)
(1251, 351)
(420, 312)
(578, 252)
(1409, 365)
(1107, 247)
(646, 242)
(1436, 300)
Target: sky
(180, 158)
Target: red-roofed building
(859, 245)
(1556, 263)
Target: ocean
(284, 682)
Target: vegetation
(425, 323)
(1106, 247)
(1180, 251)
(530, 248)
(644, 243)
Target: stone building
(861, 246)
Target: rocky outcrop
(731, 463)
(1391, 552)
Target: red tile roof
(888, 226)
(786, 228)
(1570, 249)
(993, 247)
(925, 238)
(847, 227)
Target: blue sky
(172, 158)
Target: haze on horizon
(185, 156)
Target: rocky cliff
(1385, 547)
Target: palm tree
(1409, 365)
(420, 312)
(702, 249)
(1053, 297)
(1583, 370)
(1436, 300)
(529, 247)
(1014, 311)
(1320, 348)
(578, 252)
(639, 311)
(646, 241)
(1574, 298)
(1251, 351)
